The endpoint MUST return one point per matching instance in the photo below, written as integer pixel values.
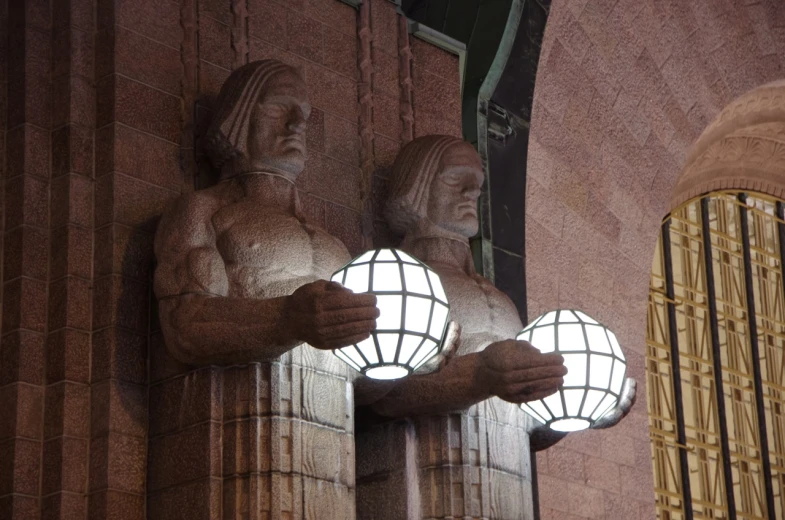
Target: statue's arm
(201, 323)
(457, 386)
(512, 370)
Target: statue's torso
(300, 406)
(492, 436)
(269, 253)
(485, 313)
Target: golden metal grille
(718, 446)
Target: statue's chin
(466, 229)
(456, 230)
(289, 165)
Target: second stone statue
(464, 453)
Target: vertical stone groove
(3, 143)
(365, 123)
(26, 260)
(189, 85)
(405, 77)
(66, 446)
(239, 33)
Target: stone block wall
(102, 103)
(623, 90)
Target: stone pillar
(26, 179)
(288, 443)
(476, 464)
(67, 422)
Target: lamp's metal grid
(716, 327)
(372, 353)
(596, 397)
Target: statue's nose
(472, 193)
(297, 124)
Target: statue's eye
(451, 179)
(273, 109)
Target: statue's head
(435, 181)
(259, 122)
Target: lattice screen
(716, 327)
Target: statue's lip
(294, 142)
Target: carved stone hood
(743, 148)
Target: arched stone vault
(624, 90)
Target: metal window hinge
(499, 124)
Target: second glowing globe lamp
(413, 313)
(595, 365)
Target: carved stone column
(475, 464)
(288, 438)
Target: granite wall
(624, 88)
(101, 107)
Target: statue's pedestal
(282, 436)
(474, 464)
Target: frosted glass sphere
(413, 313)
(595, 365)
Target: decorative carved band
(405, 75)
(239, 33)
(189, 88)
(761, 105)
(365, 122)
(743, 148)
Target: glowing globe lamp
(595, 365)
(413, 313)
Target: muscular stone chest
(271, 253)
(484, 312)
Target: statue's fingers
(548, 386)
(523, 359)
(337, 332)
(622, 408)
(526, 397)
(628, 395)
(432, 365)
(452, 339)
(453, 334)
(341, 316)
(611, 418)
(346, 299)
(533, 374)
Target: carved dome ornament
(743, 148)
(413, 313)
(596, 367)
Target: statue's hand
(452, 340)
(517, 372)
(622, 408)
(328, 316)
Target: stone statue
(472, 462)
(241, 282)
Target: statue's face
(276, 136)
(452, 203)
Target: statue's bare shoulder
(185, 246)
